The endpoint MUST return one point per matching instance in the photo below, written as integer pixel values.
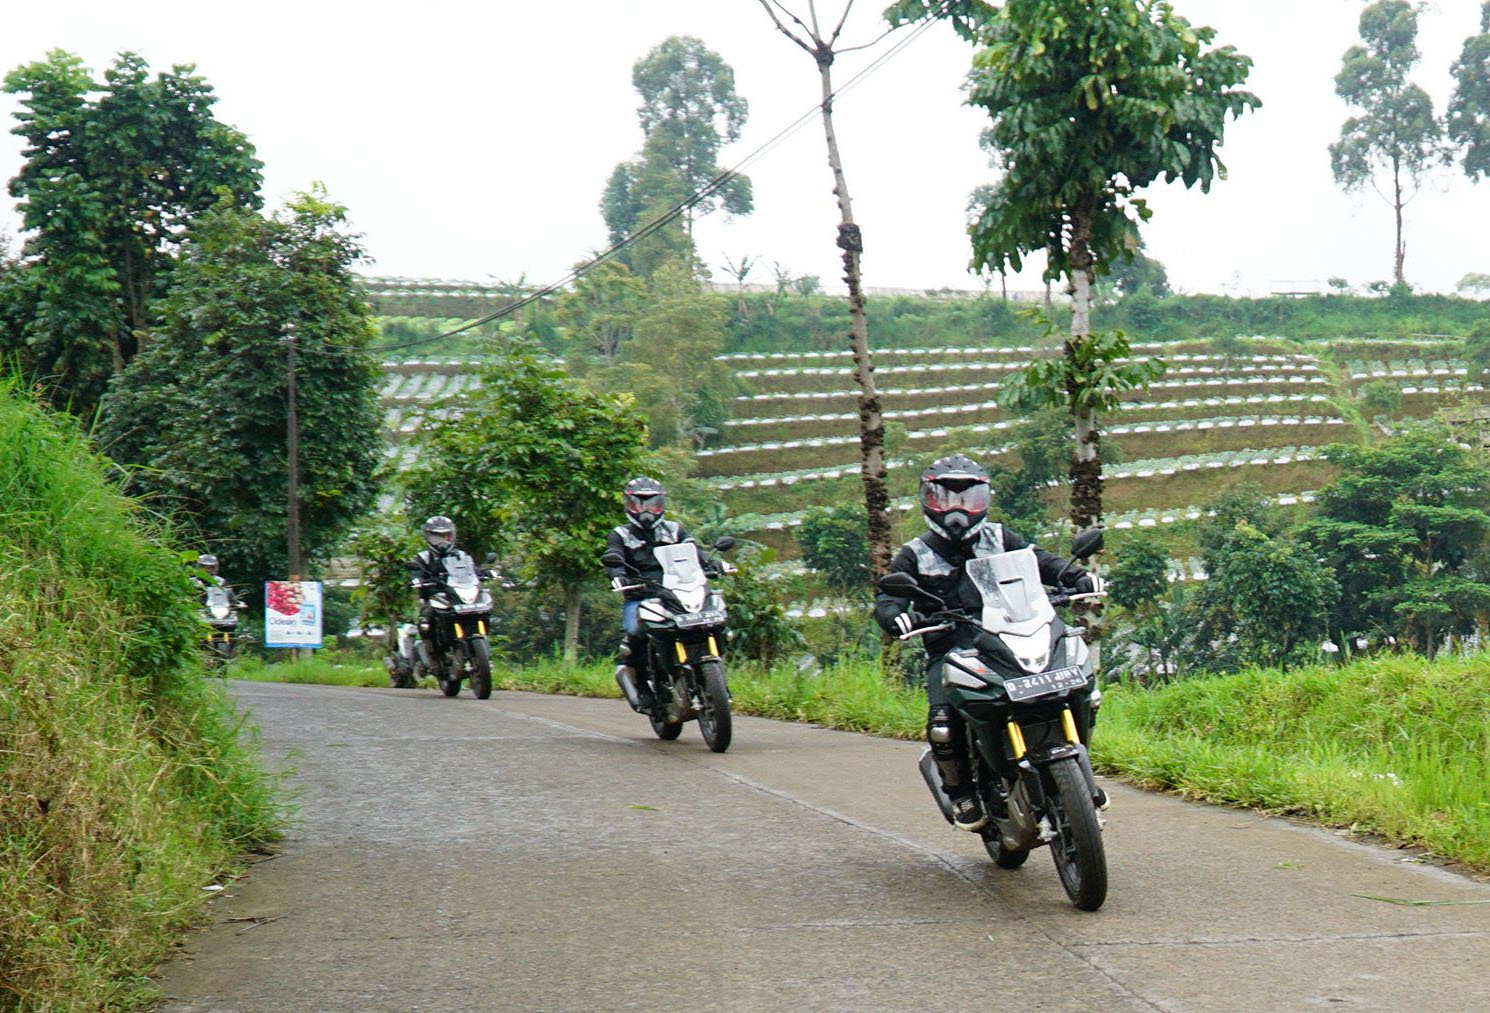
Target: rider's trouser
(946, 733)
(633, 644)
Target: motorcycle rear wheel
(1004, 858)
(1077, 847)
(665, 729)
(480, 668)
(714, 719)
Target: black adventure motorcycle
(219, 611)
(684, 622)
(1024, 683)
(454, 646)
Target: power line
(678, 209)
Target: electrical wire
(677, 210)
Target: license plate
(1027, 687)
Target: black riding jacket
(636, 544)
(938, 566)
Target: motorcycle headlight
(467, 594)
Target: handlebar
(948, 618)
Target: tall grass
(125, 784)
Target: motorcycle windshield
(683, 574)
(217, 597)
(460, 574)
(1014, 599)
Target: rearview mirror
(491, 557)
(902, 585)
(1087, 544)
(612, 558)
(725, 543)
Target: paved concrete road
(545, 853)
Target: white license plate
(1027, 687)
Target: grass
(126, 782)
(1394, 746)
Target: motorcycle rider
(428, 571)
(955, 497)
(645, 502)
(205, 575)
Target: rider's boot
(941, 733)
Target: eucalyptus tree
(1396, 140)
(824, 48)
(1089, 104)
(1469, 108)
(114, 174)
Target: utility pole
(292, 453)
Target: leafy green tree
(199, 416)
(1403, 527)
(115, 173)
(1380, 398)
(1153, 614)
(383, 597)
(600, 312)
(1396, 140)
(1140, 577)
(1141, 272)
(1089, 104)
(759, 626)
(641, 192)
(832, 543)
(531, 466)
(1468, 124)
(1264, 602)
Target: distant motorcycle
(1025, 685)
(405, 664)
(454, 645)
(219, 611)
(684, 620)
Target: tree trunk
(1086, 455)
(571, 622)
(1398, 251)
(871, 423)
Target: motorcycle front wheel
(713, 711)
(480, 661)
(1077, 846)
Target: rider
(645, 501)
(428, 570)
(954, 502)
(205, 576)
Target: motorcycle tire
(714, 719)
(480, 661)
(449, 686)
(1004, 858)
(1077, 847)
(665, 729)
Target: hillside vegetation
(124, 787)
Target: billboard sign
(292, 613)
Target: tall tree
(1469, 108)
(532, 464)
(1089, 104)
(600, 311)
(824, 48)
(199, 416)
(1396, 140)
(115, 172)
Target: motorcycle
(684, 620)
(219, 612)
(1025, 685)
(453, 644)
(405, 664)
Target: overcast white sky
(472, 140)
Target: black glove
(909, 620)
(1088, 583)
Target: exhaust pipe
(933, 779)
(628, 687)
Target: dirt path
(546, 853)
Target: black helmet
(208, 562)
(954, 497)
(645, 501)
(439, 532)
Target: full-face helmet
(208, 562)
(439, 532)
(954, 497)
(645, 502)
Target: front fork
(686, 658)
(1028, 766)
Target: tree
(532, 466)
(110, 186)
(1403, 526)
(643, 191)
(832, 542)
(1474, 283)
(689, 111)
(1090, 103)
(199, 416)
(600, 312)
(1396, 140)
(1139, 585)
(1468, 123)
(821, 47)
(1139, 272)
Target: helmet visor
(970, 495)
(440, 539)
(649, 504)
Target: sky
(472, 140)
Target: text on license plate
(1027, 687)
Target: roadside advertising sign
(292, 613)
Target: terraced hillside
(1214, 420)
